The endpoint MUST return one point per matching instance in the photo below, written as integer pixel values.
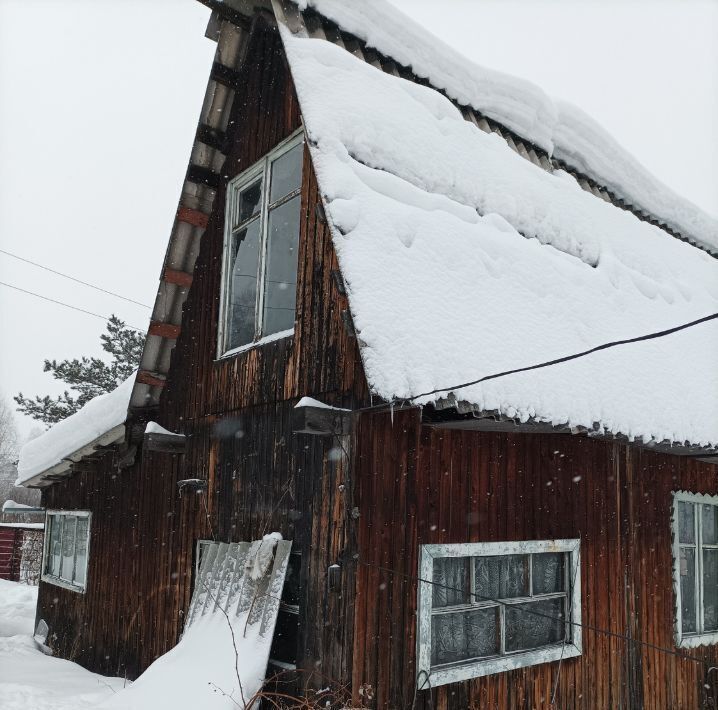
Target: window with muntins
(491, 607)
(695, 568)
(260, 249)
(67, 542)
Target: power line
(66, 305)
(548, 363)
(563, 620)
(72, 278)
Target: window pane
(55, 546)
(709, 521)
(686, 522)
(534, 624)
(548, 573)
(464, 635)
(710, 590)
(451, 581)
(280, 284)
(286, 173)
(68, 547)
(243, 286)
(688, 588)
(502, 577)
(81, 551)
(249, 202)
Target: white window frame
(234, 188)
(51, 578)
(427, 677)
(698, 638)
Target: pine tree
(88, 376)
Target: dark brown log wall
(417, 484)
(236, 413)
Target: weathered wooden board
(416, 484)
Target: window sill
(63, 583)
(462, 672)
(281, 335)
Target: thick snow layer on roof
(560, 128)
(462, 259)
(96, 418)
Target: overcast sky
(99, 101)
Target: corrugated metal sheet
(225, 582)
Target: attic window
(260, 249)
(491, 607)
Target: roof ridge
(320, 26)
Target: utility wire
(548, 363)
(72, 278)
(66, 305)
(563, 620)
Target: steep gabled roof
(372, 30)
(480, 226)
(462, 259)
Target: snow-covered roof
(462, 258)
(99, 423)
(561, 129)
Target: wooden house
(381, 257)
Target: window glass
(286, 173)
(55, 545)
(67, 545)
(250, 200)
(688, 588)
(709, 524)
(686, 522)
(496, 606)
(710, 590)
(81, 551)
(280, 281)
(259, 280)
(451, 581)
(504, 577)
(68, 548)
(548, 573)
(243, 285)
(463, 636)
(534, 624)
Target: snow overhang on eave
(63, 469)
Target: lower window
(491, 607)
(67, 541)
(695, 568)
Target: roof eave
(63, 469)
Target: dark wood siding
(417, 484)
(236, 413)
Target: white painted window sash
(51, 516)
(700, 637)
(428, 676)
(262, 168)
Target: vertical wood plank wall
(236, 413)
(416, 485)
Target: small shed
(21, 551)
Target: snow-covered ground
(198, 673)
(30, 680)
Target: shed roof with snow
(480, 226)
